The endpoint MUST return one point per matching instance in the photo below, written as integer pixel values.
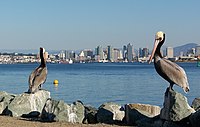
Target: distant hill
(27, 51)
(184, 48)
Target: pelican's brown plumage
(39, 75)
(170, 71)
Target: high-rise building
(120, 55)
(169, 52)
(197, 50)
(66, 55)
(124, 52)
(140, 53)
(193, 51)
(116, 55)
(88, 53)
(129, 52)
(99, 54)
(72, 55)
(62, 55)
(110, 53)
(145, 52)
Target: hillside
(184, 48)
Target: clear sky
(84, 24)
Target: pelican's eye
(160, 38)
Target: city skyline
(77, 51)
(109, 54)
(85, 24)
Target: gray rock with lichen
(5, 99)
(175, 107)
(196, 104)
(141, 113)
(59, 111)
(27, 105)
(110, 113)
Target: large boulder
(59, 111)
(110, 113)
(90, 115)
(140, 112)
(28, 105)
(150, 122)
(55, 111)
(5, 99)
(195, 119)
(171, 124)
(175, 107)
(196, 104)
(78, 109)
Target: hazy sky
(80, 24)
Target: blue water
(96, 83)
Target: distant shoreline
(99, 62)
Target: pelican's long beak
(153, 51)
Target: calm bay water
(96, 83)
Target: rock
(5, 99)
(28, 105)
(150, 122)
(175, 107)
(59, 111)
(78, 109)
(195, 119)
(135, 112)
(171, 124)
(55, 111)
(90, 115)
(196, 104)
(110, 113)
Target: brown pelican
(38, 76)
(170, 71)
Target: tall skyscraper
(99, 55)
(124, 52)
(116, 55)
(169, 52)
(140, 53)
(110, 53)
(62, 55)
(67, 56)
(145, 52)
(129, 52)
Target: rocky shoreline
(175, 112)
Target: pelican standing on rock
(39, 75)
(170, 71)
